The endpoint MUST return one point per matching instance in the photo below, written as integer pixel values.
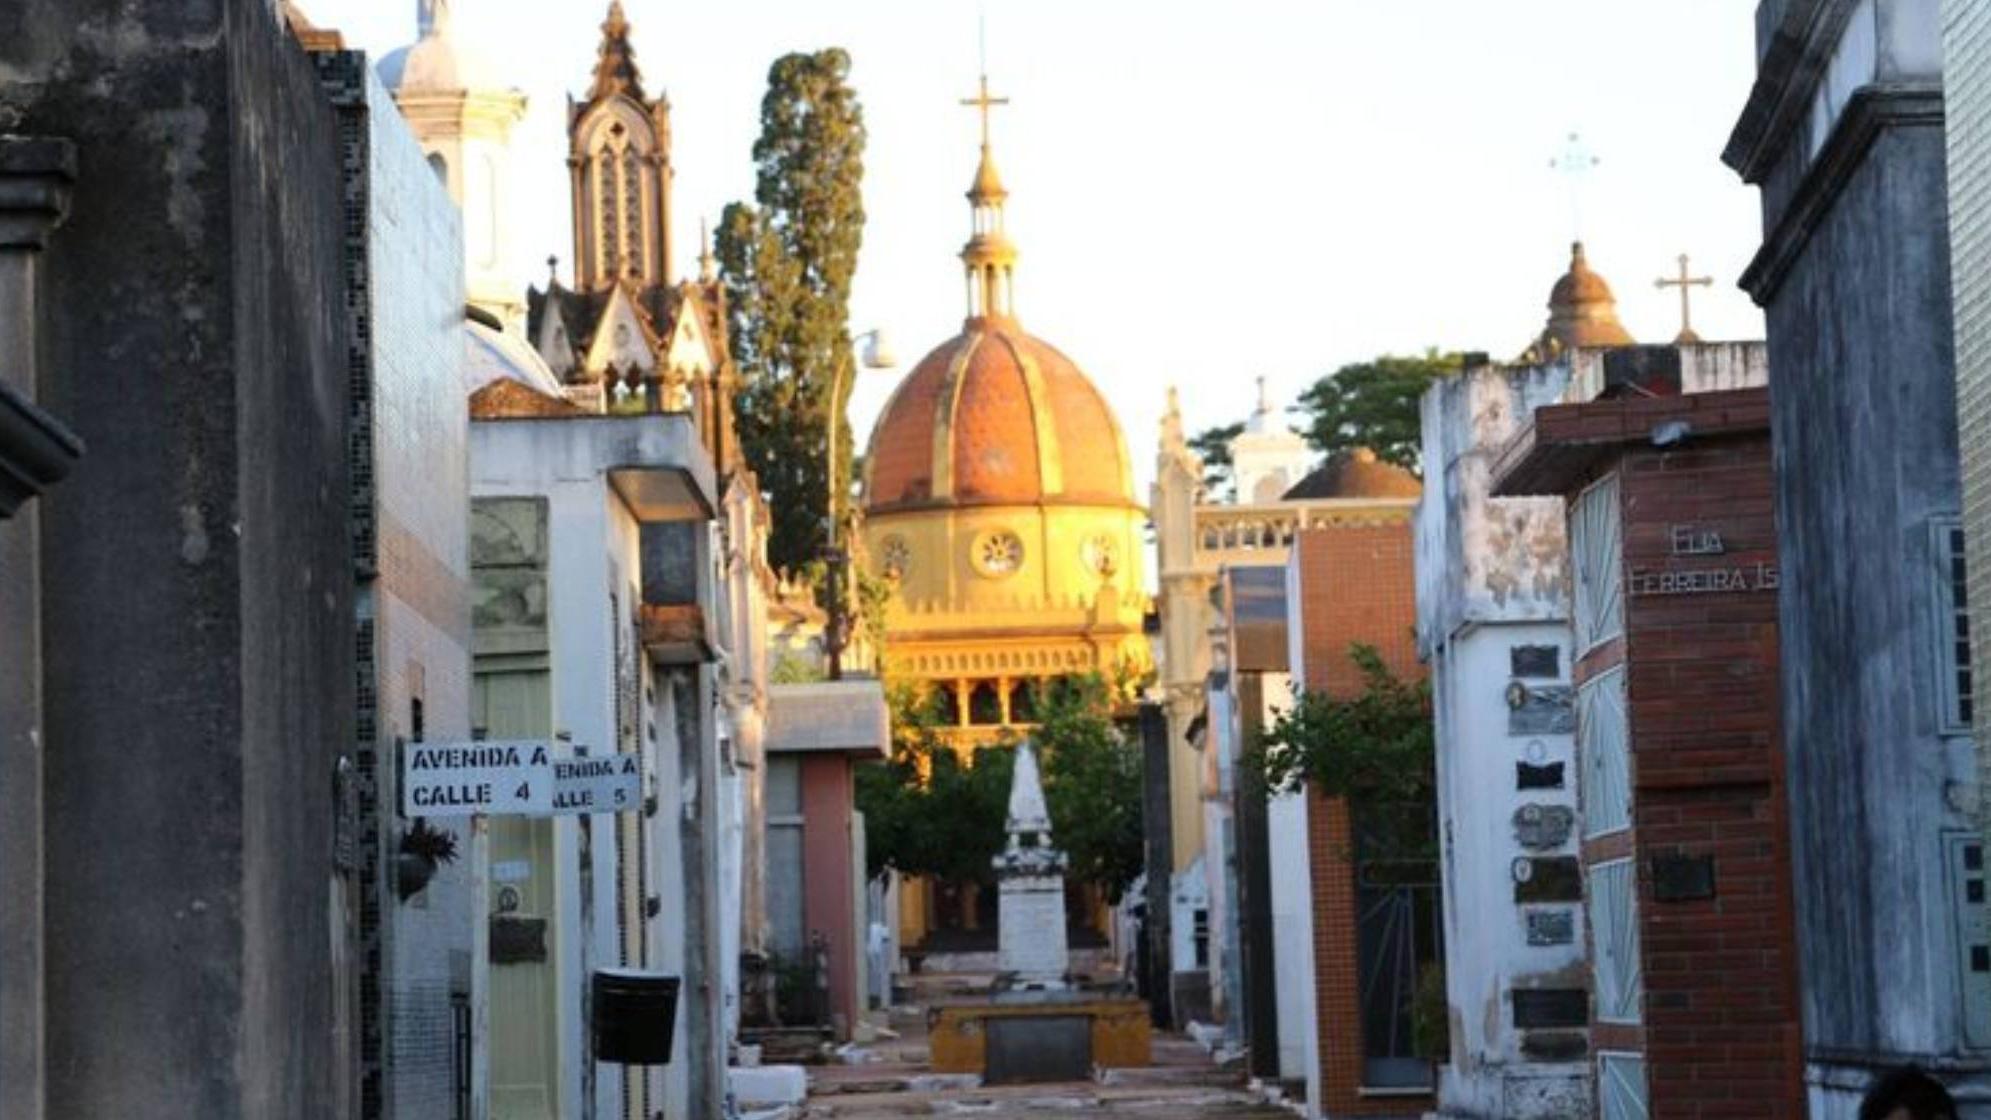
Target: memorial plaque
(1554, 1046)
(1551, 927)
(1540, 828)
(1551, 1007)
(1677, 877)
(1547, 879)
(1535, 661)
(1527, 776)
(1031, 929)
(516, 940)
(1541, 709)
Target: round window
(1101, 555)
(998, 553)
(894, 555)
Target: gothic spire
(615, 65)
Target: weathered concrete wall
(1865, 430)
(1854, 278)
(1480, 559)
(198, 607)
(1493, 609)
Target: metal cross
(1685, 281)
(984, 102)
(1575, 162)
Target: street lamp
(872, 353)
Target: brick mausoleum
(1685, 829)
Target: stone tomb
(1035, 1025)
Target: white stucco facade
(1492, 625)
(598, 483)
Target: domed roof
(438, 62)
(1356, 474)
(994, 416)
(1582, 310)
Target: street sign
(497, 778)
(610, 784)
(530, 778)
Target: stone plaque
(1547, 879)
(1677, 877)
(1048, 1047)
(1540, 828)
(1540, 709)
(1031, 928)
(1535, 661)
(516, 940)
(1555, 1046)
(1551, 1007)
(1551, 927)
(1528, 776)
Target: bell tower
(619, 152)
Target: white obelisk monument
(1031, 915)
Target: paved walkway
(892, 1080)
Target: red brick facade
(1710, 831)
(1357, 584)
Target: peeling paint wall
(1492, 625)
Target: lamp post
(873, 353)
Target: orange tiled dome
(994, 416)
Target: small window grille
(1620, 986)
(1952, 625)
(1596, 546)
(1603, 750)
(1621, 1089)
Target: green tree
(1213, 446)
(1376, 747)
(1092, 784)
(926, 813)
(786, 262)
(1373, 404)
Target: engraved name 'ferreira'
(1704, 581)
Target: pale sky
(1202, 193)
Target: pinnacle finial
(552, 271)
(431, 18)
(706, 265)
(615, 65)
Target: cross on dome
(984, 102)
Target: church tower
(619, 151)
(463, 116)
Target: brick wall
(1357, 584)
(1721, 1022)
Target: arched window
(984, 704)
(946, 707)
(1023, 702)
(440, 166)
